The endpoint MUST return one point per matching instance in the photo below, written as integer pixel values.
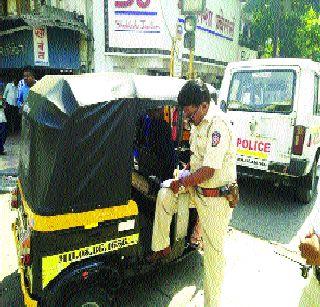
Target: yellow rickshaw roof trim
(88, 220)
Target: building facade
(50, 36)
(139, 36)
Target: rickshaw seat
(146, 186)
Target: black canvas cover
(76, 157)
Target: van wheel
(92, 297)
(307, 185)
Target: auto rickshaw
(85, 211)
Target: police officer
(213, 167)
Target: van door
(261, 108)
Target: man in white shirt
(10, 97)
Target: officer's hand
(174, 186)
(310, 250)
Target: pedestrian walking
(29, 81)
(23, 92)
(208, 187)
(10, 98)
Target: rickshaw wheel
(92, 297)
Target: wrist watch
(182, 188)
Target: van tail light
(298, 140)
(14, 198)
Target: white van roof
(303, 63)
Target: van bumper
(296, 168)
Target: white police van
(274, 106)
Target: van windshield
(262, 91)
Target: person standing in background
(29, 81)
(10, 97)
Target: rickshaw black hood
(76, 156)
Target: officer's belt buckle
(214, 192)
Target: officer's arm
(196, 178)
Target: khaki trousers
(214, 215)
(311, 293)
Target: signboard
(146, 26)
(11, 49)
(218, 32)
(135, 24)
(193, 6)
(40, 43)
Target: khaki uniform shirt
(212, 144)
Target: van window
(262, 91)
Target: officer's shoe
(159, 255)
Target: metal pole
(172, 58)
(191, 60)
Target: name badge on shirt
(216, 138)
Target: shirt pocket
(201, 145)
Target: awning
(10, 23)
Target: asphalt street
(272, 213)
(261, 252)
